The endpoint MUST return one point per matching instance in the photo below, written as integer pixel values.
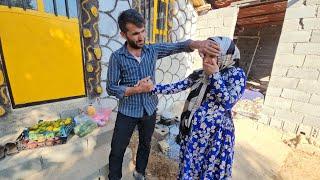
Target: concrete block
(291, 127)
(309, 86)
(279, 70)
(278, 102)
(272, 91)
(306, 108)
(277, 123)
(303, 73)
(301, 12)
(215, 23)
(315, 99)
(312, 62)
(289, 60)
(290, 25)
(304, 129)
(160, 132)
(264, 120)
(295, 36)
(315, 36)
(313, 2)
(295, 95)
(313, 121)
(288, 115)
(285, 48)
(307, 48)
(283, 82)
(311, 23)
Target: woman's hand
(210, 66)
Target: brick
(313, 2)
(277, 123)
(312, 61)
(272, 91)
(278, 102)
(305, 129)
(295, 95)
(289, 60)
(279, 71)
(315, 36)
(264, 120)
(290, 25)
(307, 48)
(291, 127)
(289, 115)
(303, 73)
(295, 36)
(313, 121)
(283, 82)
(215, 22)
(310, 109)
(301, 12)
(311, 23)
(229, 21)
(309, 86)
(267, 110)
(285, 48)
(315, 99)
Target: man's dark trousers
(123, 130)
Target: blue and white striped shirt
(125, 71)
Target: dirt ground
(267, 155)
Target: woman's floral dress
(207, 151)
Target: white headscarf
(229, 52)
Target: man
(137, 106)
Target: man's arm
(113, 79)
(205, 47)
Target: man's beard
(134, 44)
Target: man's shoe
(138, 176)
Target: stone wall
(293, 96)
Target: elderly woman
(206, 130)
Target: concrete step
(79, 158)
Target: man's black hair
(130, 16)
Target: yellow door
(42, 52)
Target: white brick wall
(312, 61)
(315, 37)
(301, 12)
(306, 108)
(287, 114)
(289, 60)
(310, 86)
(278, 102)
(311, 74)
(307, 48)
(283, 82)
(311, 23)
(315, 99)
(296, 36)
(293, 94)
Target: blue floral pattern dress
(206, 152)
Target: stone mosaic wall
(170, 69)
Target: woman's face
(209, 59)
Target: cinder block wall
(293, 96)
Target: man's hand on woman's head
(206, 47)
